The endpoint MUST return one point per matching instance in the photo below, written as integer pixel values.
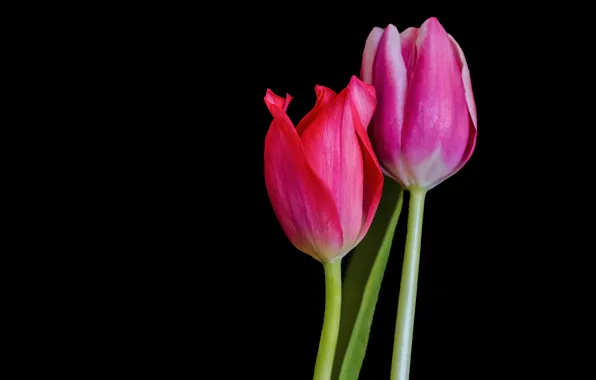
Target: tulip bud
(424, 128)
(323, 179)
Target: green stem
(330, 331)
(404, 328)
(361, 295)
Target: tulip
(323, 179)
(423, 132)
(325, 184)
(424, 127)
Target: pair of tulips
(410, 116)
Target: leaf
(362, 283)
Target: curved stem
(330, 331)
(362, 283)
(404, 328)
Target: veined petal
(272, 99)
(465, 73)
(324, 96)
(364, 98)
(373, 182)
(368, 56)
(436, 112)
(467, 82)
(408, 48)
(364, 101)
(333, 152)
(390, 83)
(302, 203)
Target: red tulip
(323, 179)
(424, 128)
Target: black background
(208, 285)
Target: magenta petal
(473, 125)
(368, 56)
(302, 202)
(408, 47)
(390, 83)
(436, 124)
(465, 73)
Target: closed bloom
(424, 128)
(323, 179)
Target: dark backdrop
(209, 286)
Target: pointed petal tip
(390, 36)
(269, 96)
(390, 27)
(358, 85)
(391, 32)
(432, 21)
(369, 53)
(432, 25)
(324, 96)
(322, 91)
(355, 81)
(271, 100)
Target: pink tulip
(424, 128)
(323, 179)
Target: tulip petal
(436, 112)
(324, 97)
(302, 203)
(465, 73)
(368, 56)
(467, 82)
(390, 83)
(408, 48)
(272, 99)
(373, 182)
(364, 100)
(471, 104)
(333, 150)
